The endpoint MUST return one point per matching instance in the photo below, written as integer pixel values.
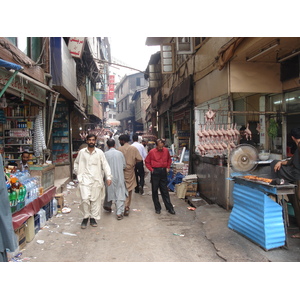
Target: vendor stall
(33, 207)
(259, 207)
(260, 211)
(30, 192)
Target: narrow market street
(199, 235)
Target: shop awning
(227, 51)
(183, 90)
(8, 65)
(79, 110)
(11, 66)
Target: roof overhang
(157, 41)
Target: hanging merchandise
(39, 139)
(216, 139)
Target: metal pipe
(8, 83)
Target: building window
(167, 58)
(30, 46)
(138, 81)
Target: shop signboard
(23, 86)
(94, 107)
(76, 46)
(111, 87)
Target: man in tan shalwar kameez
(132, 156)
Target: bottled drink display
(22, 189)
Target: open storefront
(23, 102)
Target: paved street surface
(199, 235)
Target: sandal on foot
(119, 217)
(126, 212)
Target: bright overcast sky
(132, 50)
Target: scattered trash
(68, 233)
(66, 210)
(191, 208)
(59, 215)
(40, 242)
(197, 199)
(28, 258)
(134, 209)
(71, 183)
(14, 259)
(178, 234)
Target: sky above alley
(132, 51)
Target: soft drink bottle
(14, 200)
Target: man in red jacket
(158, 162)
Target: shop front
(23, 104)
(233, 100)
(175, 120)
(23, 107)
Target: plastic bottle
(42, 215)
(22, 195)
(27, 186)
(14, 200)
(9, 197)
(15, 189)
(54, 206)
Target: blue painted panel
(257, 216)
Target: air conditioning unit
(185, 45)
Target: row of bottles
(18, 132)
(22, 189)
(16, 193)
(21, 111)
(12, 124)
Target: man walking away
(139, 167)
(132, 156)
(158, 162)
(89, 166)
(117, 191)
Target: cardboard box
(20, 232)
(192, 186)
(29, 229)
(191, 190)
(60, 201)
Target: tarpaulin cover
(258, 217)
(9, 65)
(32, 208)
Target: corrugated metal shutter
(258, 217)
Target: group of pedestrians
(111, 176)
